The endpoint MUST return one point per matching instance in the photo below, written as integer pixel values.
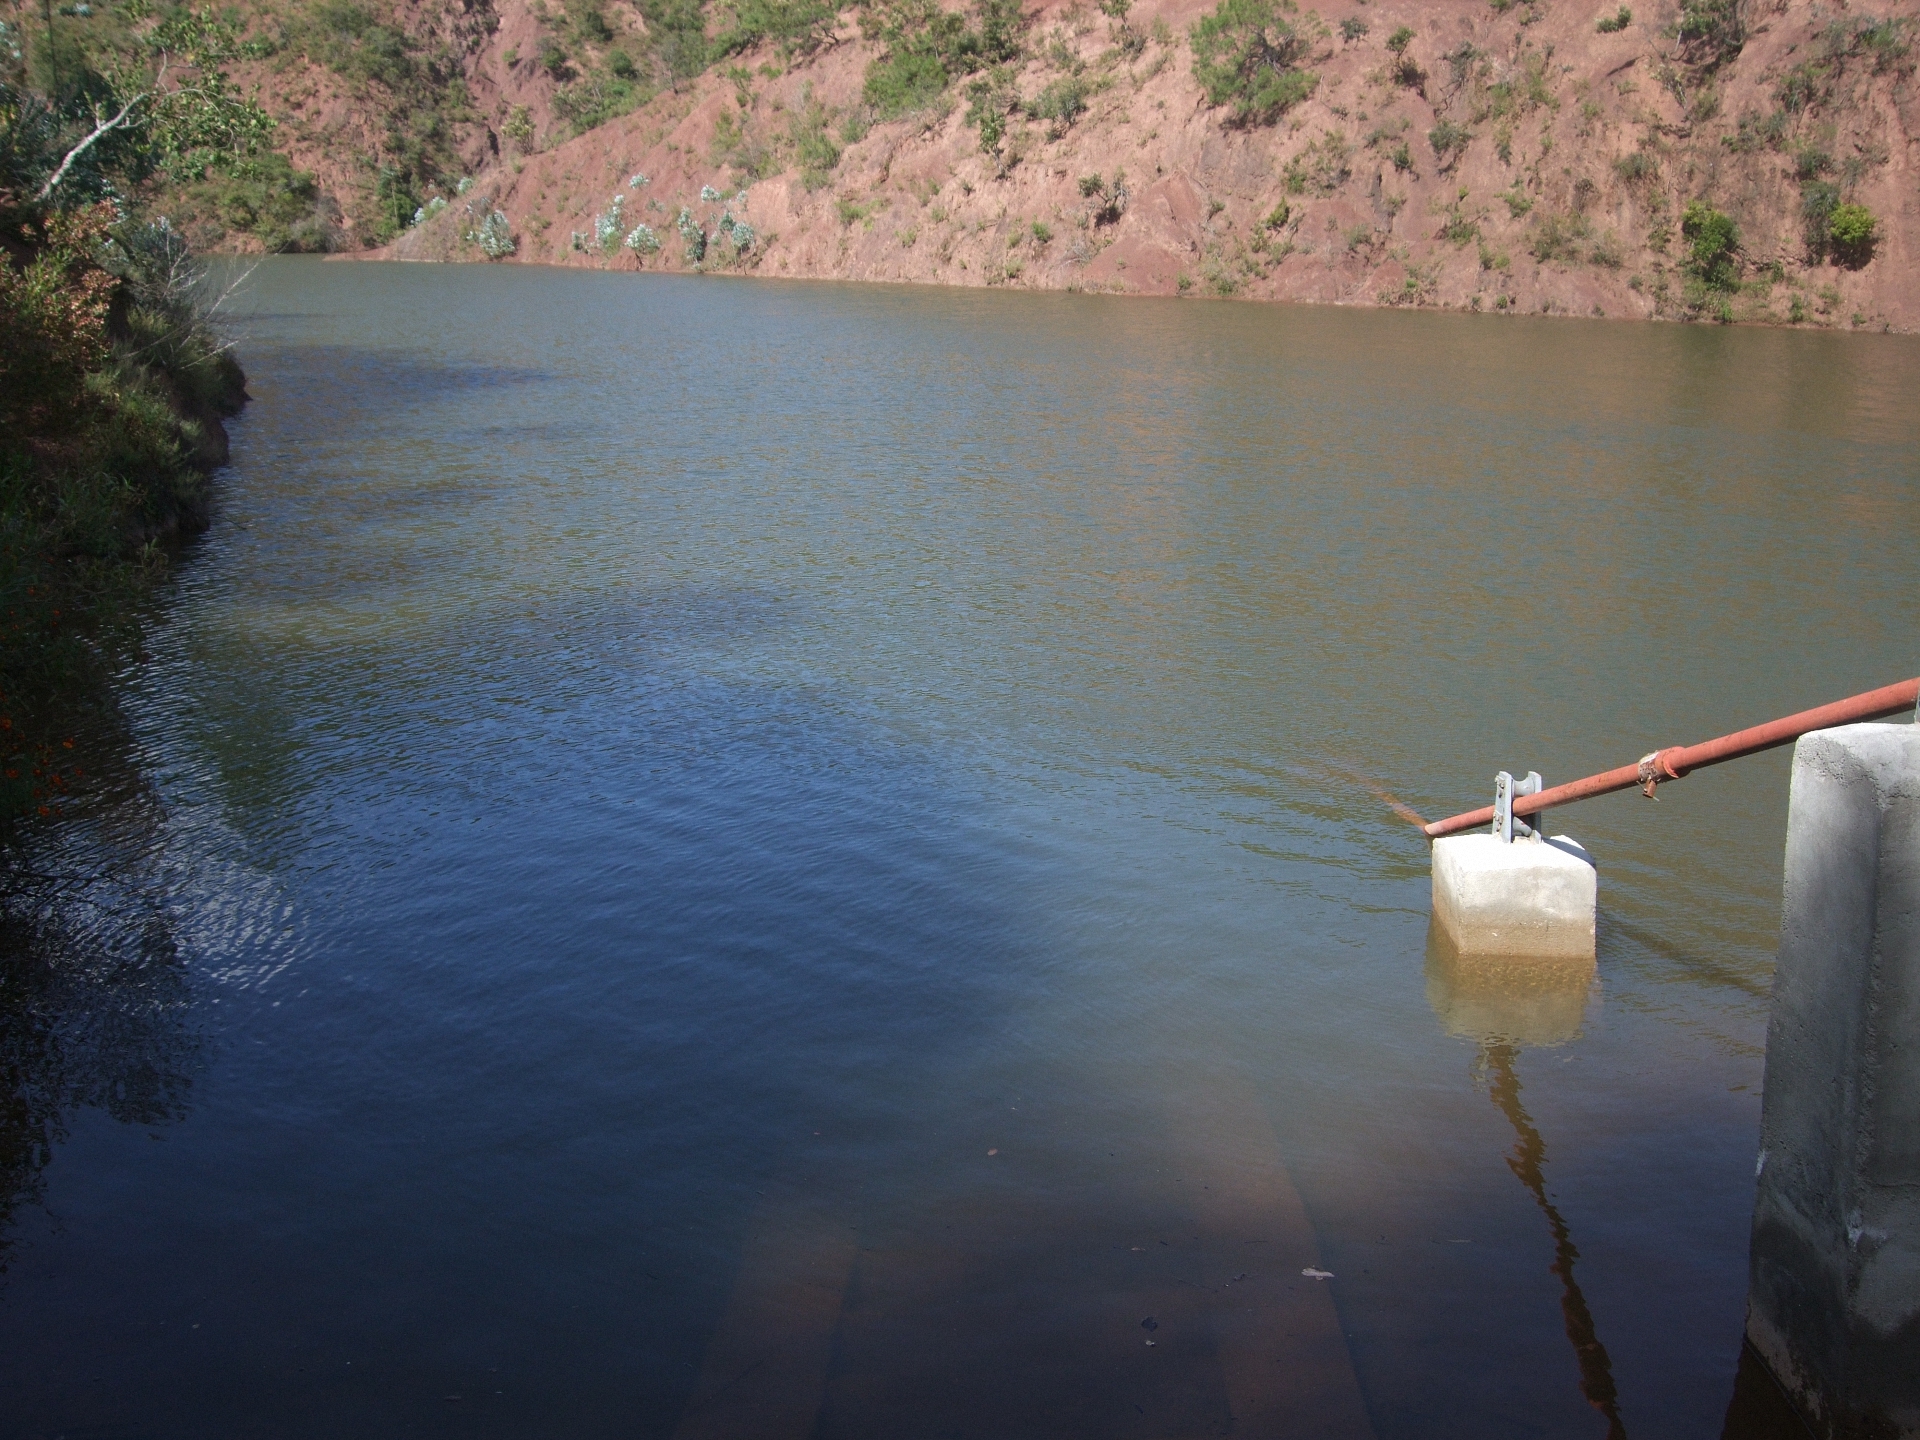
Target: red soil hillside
(1523, 159)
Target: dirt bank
(1521, 160)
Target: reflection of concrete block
(1507, 999)
(1833, 1304)
(1528, 898)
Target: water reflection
(92, 1016)
(1498, 999)
(1507, 1003)
(645, 809)
(1495, 1068)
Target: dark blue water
(739, 858)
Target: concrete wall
(1834, 1297)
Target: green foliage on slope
(111, 381)
(1247, 58)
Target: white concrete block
(1528, 898)
(1833, 1301)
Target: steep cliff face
(1539, 158)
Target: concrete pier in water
(1834, 1292)
(1530, 898)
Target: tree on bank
(112, 383)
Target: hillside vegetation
(1712, 159)
(112, 382)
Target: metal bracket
(1505, 790)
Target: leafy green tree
(679, 28)
(927, 48)
(1001, 27)
(1713, 244)
(173, 104)
(991, 98)
(1247, 57)
(1850, 231)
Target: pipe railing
(1678, 761)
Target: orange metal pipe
(1679, 760)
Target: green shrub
(1278, 216)
(1818, 200)
(796, 27)
(1883, 40)
(1637, 167)
(813, 147)
(1246, 57)
(587, 22)
(1063, 101)
(1322, 166)
(927, 47)
(1713, 243)
(1810, 163)
(1109, 197)
(1850, 232)
(1398, 41)
(1459, 228)
(1756, 132)
(1557, 237)
(408, 83)
(899, 84)
(597, 98)
(268, 199)
(990, 99)
(679, 32)
(1613, 24)
(1711, 30)
(1352, 28)
(1002, 24)
(1810, 84)
(1449, 142)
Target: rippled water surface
(758, 859)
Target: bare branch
(105, 127)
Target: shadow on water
(369, 380)
(1528, 1163)
(94, 993)
(92, 1016)
(1760, 1409)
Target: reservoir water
(736, 858)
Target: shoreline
(384, 256)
